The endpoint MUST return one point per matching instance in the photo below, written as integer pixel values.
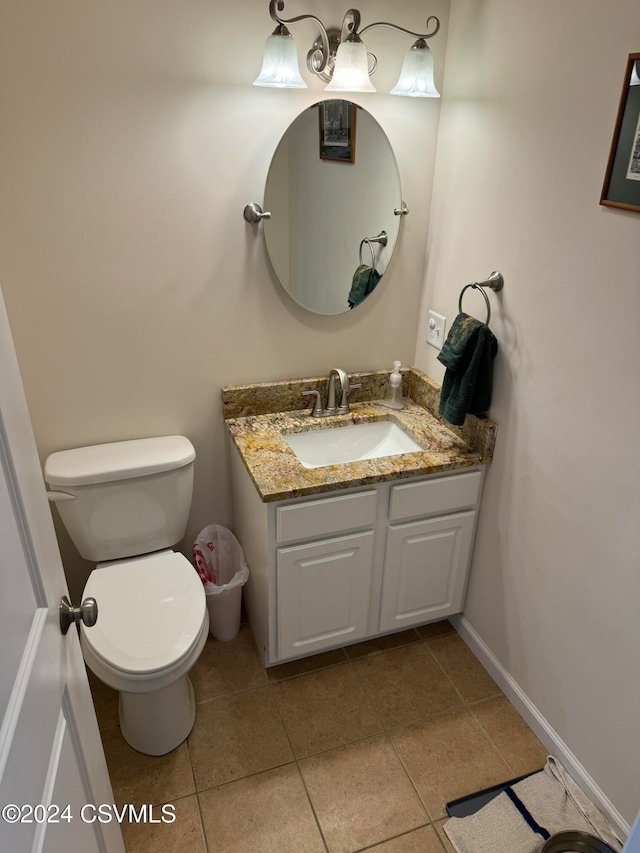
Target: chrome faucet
(331, 408)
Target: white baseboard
(539, 725)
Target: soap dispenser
(393, 399)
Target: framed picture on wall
(622, 179)
(337, 121)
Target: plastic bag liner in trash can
(219, 560)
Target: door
(323, 594)
(632, 844)
(51, 758)
(425, 570)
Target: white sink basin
(321, 447)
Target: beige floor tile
(447, 757)
(325, 709)
(381, 644)
(435, 629)
(405, 685)
(237, 735)
(138, 778)
(105, 701)
(515, 741)
(305, 665)
(463, 668)
(360, 791)
(424, 840)
(448, 846)
(265, 813)
(225, 668)
(361, 795)
(184, 834)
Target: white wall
(132, 139)
(530, 99)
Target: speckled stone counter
(258, 415)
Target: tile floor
(354, 749)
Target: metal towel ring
(476, 286)
(373, 257)
(382, 238)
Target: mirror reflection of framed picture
(622, 179)
(337, 121)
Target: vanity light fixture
(340, 58)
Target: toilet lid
(150, 611)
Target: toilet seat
(151, 614)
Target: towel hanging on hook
(468, 354)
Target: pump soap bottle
(393, 399)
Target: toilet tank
(125, 498)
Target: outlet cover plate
(436, 329)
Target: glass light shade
(416, 77)
(351, 71)
(280, 64)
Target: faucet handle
(317, 410)
(343, 408)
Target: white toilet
(124, 505)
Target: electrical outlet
(436, 329)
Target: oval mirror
(331, 190)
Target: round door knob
(87, 613)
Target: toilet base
(157, 722)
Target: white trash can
(220, 562)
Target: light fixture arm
(403, 30)
(276, 6)
(350, 25)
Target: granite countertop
(257, 416)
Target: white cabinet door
(323, 594)
(425, 573)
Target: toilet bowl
(152, 628)
(125, 504)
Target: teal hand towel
(468, 354)
(364, 281)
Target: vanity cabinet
(332, 569)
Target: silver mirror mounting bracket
(253, 213)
